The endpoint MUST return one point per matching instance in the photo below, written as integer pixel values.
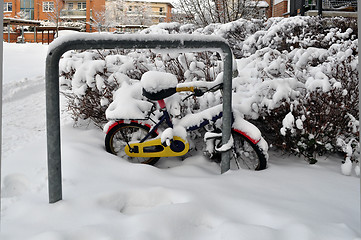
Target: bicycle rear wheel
(120, 135)
(246, 154)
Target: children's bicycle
(146, 140)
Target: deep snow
(108, 198)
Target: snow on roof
(21, 21)
(261, 4)
(153, 1)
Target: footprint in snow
(139, 201)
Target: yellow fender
(155, 148)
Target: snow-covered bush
(90, 79)
(297, 79)
(234, 32)
(306, 85)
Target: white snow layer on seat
(127, 103)
(154, 81)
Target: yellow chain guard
(162, 151)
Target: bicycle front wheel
(246, 154)
(121, 135)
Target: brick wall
(13, 36)
(280, 9)
(29, 37)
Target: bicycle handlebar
(185, 89)
(198, 91)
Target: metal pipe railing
(107, 41)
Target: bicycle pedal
(212, 135)
(167, 142)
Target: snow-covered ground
(108, 198)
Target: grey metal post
(90, 41)
(8, 33)
(53, 127)
(227, 104)
(22, 34)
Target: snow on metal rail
(132, 41)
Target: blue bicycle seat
(158, 85)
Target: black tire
(246, 154)
(118, 137)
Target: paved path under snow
(23, 115)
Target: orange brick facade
(43, 37)
(37, 7)
(85, 11)
(15, 8)
(40, 9)
(275, 8)
(280, 9)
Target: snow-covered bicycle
(146, 140)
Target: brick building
(132, 15)
(279, 8)
(80, 13)
(330, 8)
(257, 7)
(51, 10)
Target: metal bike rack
(112, 41)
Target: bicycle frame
(172, 141)
(165, 117)
(244, 128)
(249, 148)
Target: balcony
(328, 8)
(339, 4)
(159, 13)
(73, 13)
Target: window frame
(82, 6)
(48, 6)
(8, 5)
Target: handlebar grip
(197, 92)
(185, 89)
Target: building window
(48, 6)
(81, 5)
(8, 7)
(70, 6)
